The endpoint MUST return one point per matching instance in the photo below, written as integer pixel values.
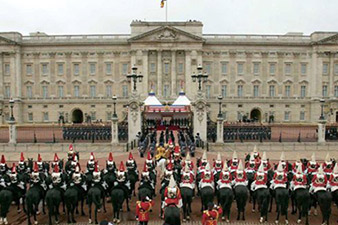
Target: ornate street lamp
(114, 98)
(134, 77)
(322, 102)
(220, 115)
(11, 104)
(199, 77)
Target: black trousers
(142, 223)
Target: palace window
(287, 90)
(324, 90)
(287, 68)
(303, 68)
(303, 91)
(224, 91)
(208, 91)
(124, 68)
(166, 91)
(60, 68)
(92, 91)
(240, 68)
(125, 91)
(272, 90)
(224, 68)
(208, 68)
(76, 91)
(60, 91)
(29, 69)
(109, 116)
(272, 68)
(302, 116)
(109, 91)
(256, 90)
(7, 69)
(44, 69)
(108, 68)
(92, 68)
(287, 116)
(325, 68)
(336, 91)
(76, 69)
(336, 69)
(29, 92)
(7, 91)
(256, 68)
(93, 116)
(45, 116)
(180, 68)
(45, 91)
(152, 67)
(166, 68)
(30, 117)
(240, 90)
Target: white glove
(147, 198)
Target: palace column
(1, 88)
(145, 72)
(188, 80)
(159, 73)
(18, 90)
(173, 73)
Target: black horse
(34, 196)
(145, 190)
(282, 203)
(301, 200)
(94, 197)
(262, 196)
(335, 197)
(72, 199)
(225, 199)
(53, 200)
(6, 197)
(132, 178)
(324, 199)
(117, 199)
(207, 195)
(241, 196)
(172, 215)
(187, 195)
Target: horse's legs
(36, 208)
(57, 215)
(50, 216)
(128, 209)
(243, 211)
(278, 212)
(96, 215)
(90, 212)
(238, 213)
(104, 204)
(82, 211)
(43, 206)
(24, 203)
(253, 204)
(271, 200)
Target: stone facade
(258, 75)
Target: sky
(217, 16)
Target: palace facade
(257, 75)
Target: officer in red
(296, 164)
(143, 208)
(202, 163)
(225, 178)
(218, 165)
(261, 179)
(177, 153)
(207, 178)
(319, 181)
(279, 178)
(251, 166)
(328, 165)
(312, 165)
(299, 180)
(265, 162)
(240, 176)
(234, 162)
(172, 195)
(188, 162)
(284, 163)
(210, 216)
(333, 181)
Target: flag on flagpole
(162, 3)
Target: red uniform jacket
(210, 180)
(191, 179)
(283, 181)
(315, 184)
(260, 182)
(294, 166)
(142, 210)
(304, 180)
(312, 169)
(332, 180)
(242, 179)
(248, 166)
(210, 217)
(191, 165)
(178, 193)
(225, 181)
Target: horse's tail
(6, 200)
(96, 197)
(265, 202)
(325, 200)
(305, 203)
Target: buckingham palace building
(291, 76)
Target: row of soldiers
(247, 133)
(86, 133)
(172, 122)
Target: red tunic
(142, 210)
(178, 193)
(315, 183)
(240, 179)
(191, 165)
(261, 182)
(304, 180)
(311, 168)
(210, 217)
(210, 180)
(283, 181)
(191, 179)
(295, 166)
(225, 181)
(333, 181)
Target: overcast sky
(218, 16)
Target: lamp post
(114, 98)
(322, 101)
(11, 104)
(199, 77)
(134, 76)
(220, 115)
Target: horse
(53, 200)
(241, 196)
(301, 200)
(6, 197)
(335, 197)
(282, 203)
(117, 199)
(34, 196)
(207, 195)
(72, 199)
(94, 196)
(172, 215)
(187, 195)
(262, 196)
(145, 190)
(225, 199)
(133, 178)
(250, 179)
(324, 199)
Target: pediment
(329, 40)
(6, 41)
(166, 34)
